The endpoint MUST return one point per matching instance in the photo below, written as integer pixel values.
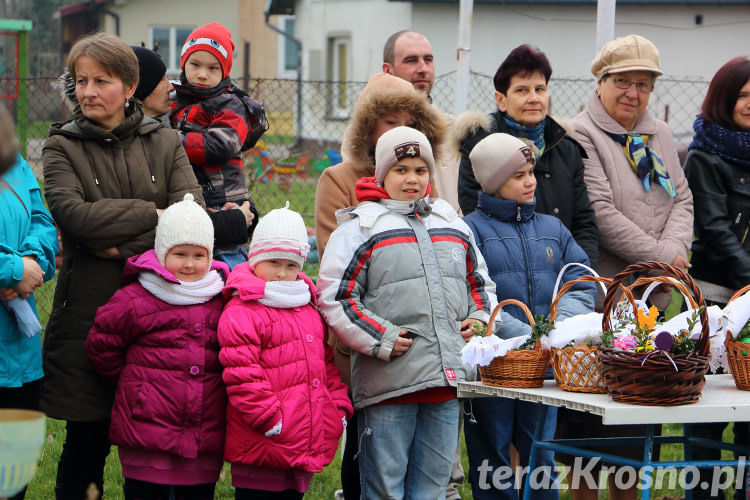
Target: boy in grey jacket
(401, 283)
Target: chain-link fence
(308, 119)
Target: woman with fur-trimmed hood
(386, 102)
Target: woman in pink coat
(156, 337)
(287, 405)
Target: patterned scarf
(732, 146)
(535, 133)
(645, 163)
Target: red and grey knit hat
(213, 38)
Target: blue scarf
(645, 163)
(732, 146)
(535, 133)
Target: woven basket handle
(739, 293)
(500, 306)
(702, 346)
(654, 281)
(605, 282)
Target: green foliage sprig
(542, 326)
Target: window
(168, 42)
(339, 74)
(288, 62)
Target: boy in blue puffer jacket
(524, 252)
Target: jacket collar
(147, 261)
(646, 123)
(553, 131)
(244, 283)
(505, 210)
(369, 212)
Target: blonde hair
(110, 52)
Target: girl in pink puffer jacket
(156, 337)
(287, 405)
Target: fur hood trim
(383, 94)
(468, 123)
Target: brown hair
(110, 52)
(725, 86)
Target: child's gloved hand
(468, 328)
(275, 430)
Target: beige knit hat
(184, 223)
(281, 234)
(496, 158)
(626, 53)
(397, 144)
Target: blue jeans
(231, 256)
(406, 450)
(500, 422)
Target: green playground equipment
(19, 28)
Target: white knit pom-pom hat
(184, 223)
(281, 234)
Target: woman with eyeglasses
(641, 199)
(642, 202)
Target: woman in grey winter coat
(109, 173)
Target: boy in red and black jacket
(217, 121)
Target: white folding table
(720, 401)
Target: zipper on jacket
(91, 163)
(150, 170)
(529, 281)
(518, 213)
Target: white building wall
(567, 34)
(137, 16)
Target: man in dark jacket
(521, 94)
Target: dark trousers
(714, 432)
(248, 494)
(25, 397)
(349, 465)
(135, 489)
(82, 460)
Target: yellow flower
(647, 322)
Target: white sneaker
(338, 495)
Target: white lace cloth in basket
(482, 350)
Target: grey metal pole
(463, 54)
(605, 22)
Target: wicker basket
(738, 354)
(651, 379)
(576, 368)
(519, 368)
